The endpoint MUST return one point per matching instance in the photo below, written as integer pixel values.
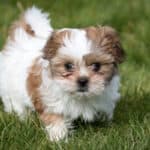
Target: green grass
(130, 129)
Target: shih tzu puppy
(61, 74)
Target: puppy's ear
(54, 42)
(106, 39)
(50, 49)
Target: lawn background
(130, 129)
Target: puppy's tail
(31, 31)
(34, 22)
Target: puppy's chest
(72, 107)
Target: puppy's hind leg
(7, 104)
(15, 106)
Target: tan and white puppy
(62, 75)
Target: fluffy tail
(30, 31)
(34, 22)
(38, 22)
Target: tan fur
(57, 64)
(34, 81)
(53, 43)
(103, 58)
(107, 70)
(50, 118)
(58, 70)
(20, 24)
(93, 33)
(106, 39)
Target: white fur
(58, 131)
(76, 40)
(16, 58)
(18, 55)
(39, 22)
(75, 106)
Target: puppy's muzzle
(82, 84)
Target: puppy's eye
(96, 66)
(69, 66)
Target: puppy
(61, 74)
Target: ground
(130, 128)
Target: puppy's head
(83, 61)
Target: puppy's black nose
(83, 83)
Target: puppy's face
(83, 61)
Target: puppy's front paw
(57, 131)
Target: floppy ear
(54, 42)
(107, 40)
(51, 47)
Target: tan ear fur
(53, 43)
(106, 39)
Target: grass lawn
(130, 129)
